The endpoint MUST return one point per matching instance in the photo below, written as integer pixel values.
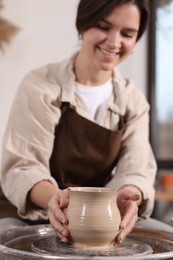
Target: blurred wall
(47, 35)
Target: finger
(125, 231)
(126, 227)
(136, 196)
(128, 221)
(64, 199)
(63, 239)
(60, 216)
(58, 226)
(126, 194)
(57, 212)
(61, 198)
(130, 212)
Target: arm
(136, 165)
(39, 197)
(28, 143)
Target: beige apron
(84, 154)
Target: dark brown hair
(90, 12)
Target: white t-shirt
(94, 99)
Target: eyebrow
(132, 30)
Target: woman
(81, 123)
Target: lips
(110, 54)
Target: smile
(108, 53)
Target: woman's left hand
(128, 200)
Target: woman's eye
(102, 27)
(127, 35)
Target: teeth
(109, 53)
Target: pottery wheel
(52, 245)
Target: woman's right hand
(57, 217)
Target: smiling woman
(79, 122)
(108, 42)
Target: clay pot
(93, 215)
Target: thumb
(135, 196)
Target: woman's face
(112, 39)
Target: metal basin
(19, 243)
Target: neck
(85, 74)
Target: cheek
(93, 35)
(129, 46)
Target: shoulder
(46, 82)
(50, 75)
(130, 100)
(134, 95)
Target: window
(160, 91)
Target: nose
(114, 40)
